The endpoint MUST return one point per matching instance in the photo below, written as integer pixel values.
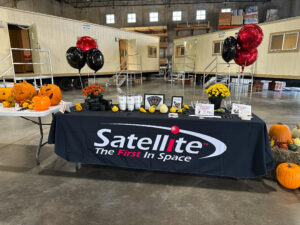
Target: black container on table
(216, 101)
(98, 104)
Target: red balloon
(86, 43)
(250, 36)
(244, 57)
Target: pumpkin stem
(298, 125)
(290, 166)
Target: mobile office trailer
(278, 54)
(28, 30)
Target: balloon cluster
(243, 49)
(86, 51)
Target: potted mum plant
(216, 93)
(94, 96)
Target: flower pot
(216, 101)
(94, 103)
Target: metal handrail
(30, 49)
(4, 73)
(210, 63)
(49, 62)
(5, 58)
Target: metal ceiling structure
(126, 3)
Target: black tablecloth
(223, 147)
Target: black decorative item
(229, 49)
(216, 101)
(95, 59)
(98, 104)
(76, 58)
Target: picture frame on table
(177, 102)
(153, 99)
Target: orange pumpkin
(5, 93)
(23, 91)
(288, 175)
(281, 133)
(53, 92)
(41, 103)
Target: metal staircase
(9, 62)
(237, 81)
(188, 71)
(126, 74)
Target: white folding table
(24, 114)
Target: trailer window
(180, 51)
(217, 47)
(284, 42)
(152, 52)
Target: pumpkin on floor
(23, 91)
(288, 175)
(281, 133)
(53, 92)
(41, 103)
(5, 93)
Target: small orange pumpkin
(41, 103)
(5, 93)
(288, 175)
(23, 91)
(281, 133)
(53, 92)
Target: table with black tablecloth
(228, 147)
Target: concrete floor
(54, 194)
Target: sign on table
(241, 109)
(204, 109)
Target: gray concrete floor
(54, 194)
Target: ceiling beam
(126, 3)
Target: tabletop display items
(122, 98)
(94, 100)
(130, 102)
(153, 100)
(138, 99)
(53, 92)
(216, 93)
(5, 93)
(20, 94)
(41, 103)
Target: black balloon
(76, 58)
(95, 59)
(229, 48)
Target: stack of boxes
(237, 17)
(251, 15)
(225, 19)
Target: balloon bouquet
(86, 51)
(243, 49)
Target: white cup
(122, 102)
(138, 101)
(130, 102)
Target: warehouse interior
(74, 161)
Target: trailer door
(132, 55)
(36, 47)
(190, 54)
(123, 53)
